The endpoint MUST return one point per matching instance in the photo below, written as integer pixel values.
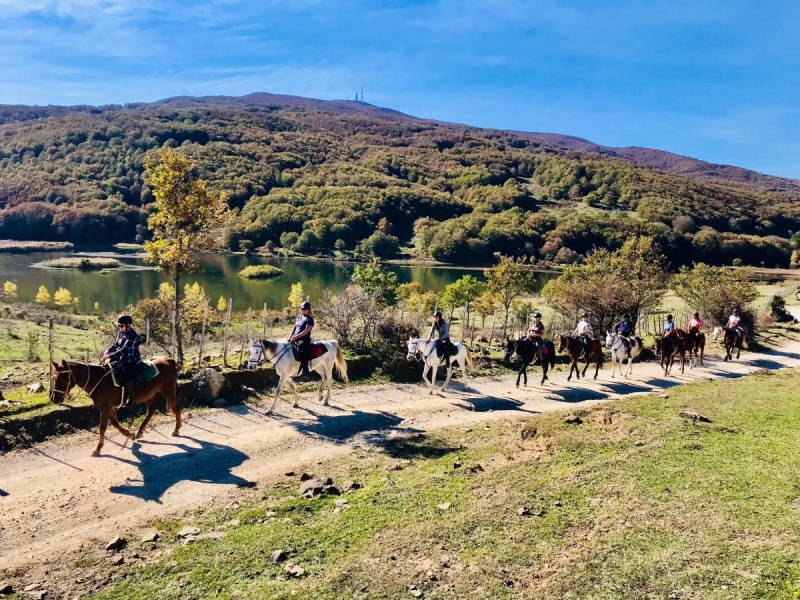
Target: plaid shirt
(125, 349)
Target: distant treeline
(314, 179)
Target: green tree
(372, 277)
(461, 292)
(714, 291)
(380, 244)
(187, 220)
(42, 296)
(508, 280)
(485, 306)
(296, 296)
(246, 246)
(642, 268)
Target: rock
(523, 511)
(289, 474)
(332, 490)
(444, 506)
(233, 523)
(115, 544)
(277, 556)
(151, 537)
(573, 420)
(474, 469)
(664, 395)
(695, 417)
(4, 403)
(31, 587)
(217, 403)
(187, 531)
(6, 589)
(2, 398)
(207, 385)
(36, 388)
(38, 595)
(342, 502)
(306, 476)
(457, 463)
(318, 487)
(214, 535)
(416, 592)
(295, 570)
(351, 486)
(118, 560)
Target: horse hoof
(139, 436)
(133, 436)
(176, 433)
(96, 453)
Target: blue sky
(715, 80)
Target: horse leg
(519, 373)
(449, 374)
(322, 383)
(574, 367)
(544, 373)
(586, 366)
(702, 349)
(151, 409)
(281, 382)
(463, 363)
(115, 422)
(329, 380)
(434, 370)
(104, 416)
(296, 402)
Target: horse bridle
(75, 379)
(262, 356)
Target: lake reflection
(117, 289)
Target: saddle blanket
(317, 350)
(144, 371)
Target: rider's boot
(628, 350)
(304, 367)
(127, 394)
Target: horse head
(610, 339)
(657, 346)
(717, 332)
(413, 348)
(256, 353)
(511, 347)
(61, 382)
(562, 344)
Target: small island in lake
(84, 263)
(20, 246)
(260, 272)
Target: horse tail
(341, 364)
(470, 364)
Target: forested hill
(313, 175)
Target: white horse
(281, 356)
(617, 346)
(431, 361)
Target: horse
(667, 348)
(280, 355)
(576, 351)
(529, 354)
(731, 338)
(96, 381)
(616, 344)
(430, 358)
(695, 345)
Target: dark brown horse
(576, 351)
(734, 338)
(668, 348)
(96, 381)
(695, 345)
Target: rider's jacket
(300, 325)
(669, 326)
(696, 324)
(442, 330)
(536, 329)
(733, 320)
(125, 349)
(583, 327)
(624, 328)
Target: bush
(777, 309)
(380, 244)
(260, 272)
(391, 349)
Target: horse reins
(81, 388)
(262, 354)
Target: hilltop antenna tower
(362, 92)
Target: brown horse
(694, 344)
(733, 339)
(576, 351)
(668, 348)
(96, 381)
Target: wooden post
(51, 349)
(264, 320)
(147, 331)
(225, 333)
(402, 310)
(246, 334)
(491, 332)
(202, 338)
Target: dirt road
(55, 498)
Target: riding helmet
(736, 311)
(626, 316)
(438, 313)
(124, 320)
(305, 305)
(537, 315)
(697, 315)
(585, 316)
(669, 317)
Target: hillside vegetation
(312, 176)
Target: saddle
(317, 349)
(143, 371)
(448, 347)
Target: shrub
(260, 272)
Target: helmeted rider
(536, 332)
(625, 330)
(124, 356)
(733, 323)
(695, 327)
(669, 327)
(301, 335)
(442, 331)
(583, 330)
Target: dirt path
(55, 498)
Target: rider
(582, 331)
(124, 356)
(695, 327)
(442, 336)
(301, 335)
(669, 327)
(733, 323)
(624, 329)
(536, 332)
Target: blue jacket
(624, 328)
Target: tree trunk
(177, 321)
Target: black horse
(528, 352)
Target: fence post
(225, 333)
(51, 352)
(246, 334)
(264, 319)
(202, 338)
(147, 332)
(402, 310)
(491, 331)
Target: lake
(118, 288)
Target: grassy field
(634, 502)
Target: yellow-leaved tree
(9, 290)
(187, 220)
(222, 305)
(62, 297)
(297, 295)
(42, 296)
